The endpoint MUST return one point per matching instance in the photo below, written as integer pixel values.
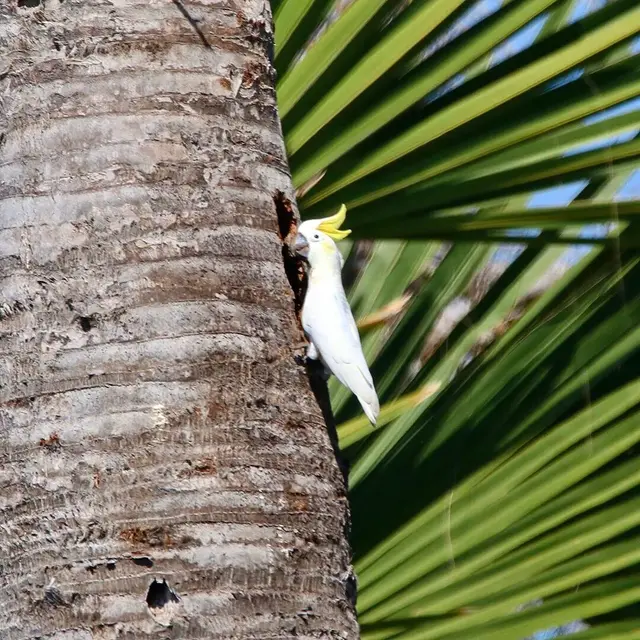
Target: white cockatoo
(326, 316)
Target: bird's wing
(332, 329)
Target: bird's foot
(312, 352)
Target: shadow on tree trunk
(318, 382)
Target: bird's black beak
(301, 246)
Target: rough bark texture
(154, 425)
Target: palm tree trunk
(164, 463)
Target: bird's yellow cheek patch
(327, 249)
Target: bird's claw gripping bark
(312, 352)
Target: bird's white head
(316, 239)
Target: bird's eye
(316, 236)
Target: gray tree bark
(165, 470)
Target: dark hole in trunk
(86, 323)
(160, 594)
(143, 561)
(292, 266)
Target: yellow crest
(331, 225)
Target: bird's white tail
(371, 407)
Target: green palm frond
(504, 467)
(476, 462)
